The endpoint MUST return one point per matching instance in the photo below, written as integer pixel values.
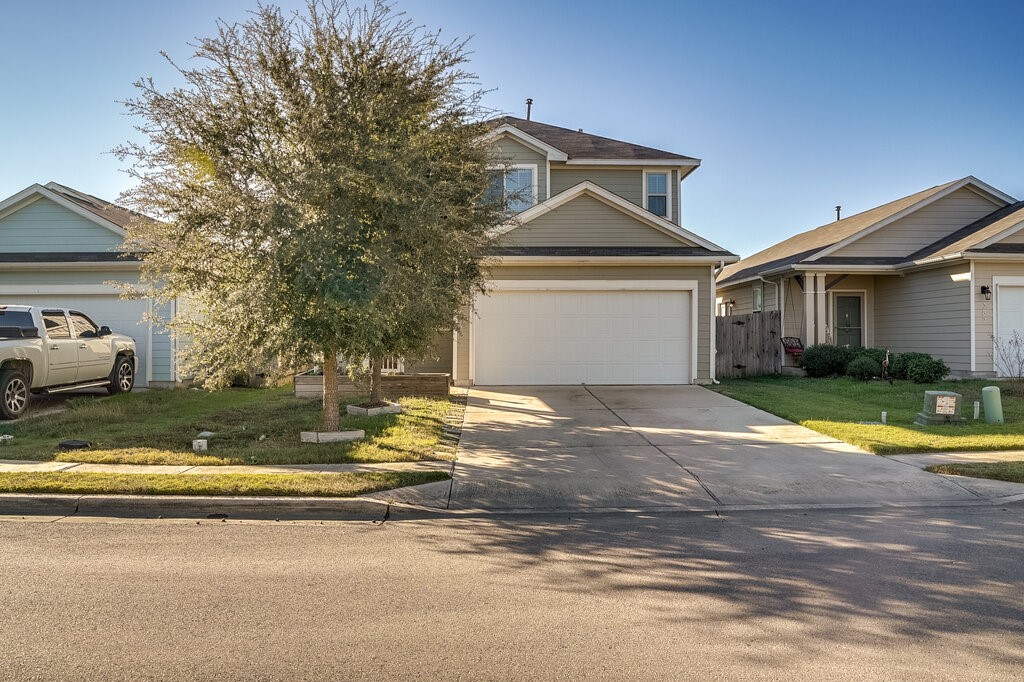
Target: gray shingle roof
(581, 145)
(118, 215)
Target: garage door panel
(572, 337)
(1010, 319)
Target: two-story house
(596, 281)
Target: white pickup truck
(53, 350)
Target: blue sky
(794, 107)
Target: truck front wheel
(14, 394)
(122, 377)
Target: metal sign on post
(945, 404)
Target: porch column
(819, 308)
(808, 309)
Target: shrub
(825, 360)
(900, 364)
(876, 354)
(863, 367)
(926, 370)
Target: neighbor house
(940, 271)
(596, 280)
(63, 248)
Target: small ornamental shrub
(901, 363)
(863, 367)
(876, 354)
(825, 360)
(926, 370)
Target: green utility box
(940, 408)
(993, 404)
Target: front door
(849, 322)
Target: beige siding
(923, 227)
(793, 321)
(674, 185)
(743, 295)
(926, 311)
(704, 298)
(626, 182)
(512, 151)
(586, 221)
(984, 311)
(1015, 238)
(439, 359)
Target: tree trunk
(330, 391)
(376, 390)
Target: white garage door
(577, 337)
(123, 317)
(1010, 320)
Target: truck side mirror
(104, 331)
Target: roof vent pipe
(529, 107)
(838, 211)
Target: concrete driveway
(608, 447)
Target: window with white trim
(757, 299)
(656, 193)
(518, 184)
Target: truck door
(93, 352)
(61, 349)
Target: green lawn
(1000, 471)
(285, 485)
(835, 406)
(158, 426)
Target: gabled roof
(103, 213)
(815, 246)
(579, 146)
(587, 188)
(979, 235)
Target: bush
(926, 370)
(876, 354)
(901, 363)
(863, 367)
(825, 360)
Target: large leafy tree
(321, 180)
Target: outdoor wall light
(986, 291)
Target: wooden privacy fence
(748, 345)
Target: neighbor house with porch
(940, 271)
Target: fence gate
(748, 345)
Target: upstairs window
(656, 193)
(518, 185)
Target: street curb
(176, 506)
(369, 509)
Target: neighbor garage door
(1010, 321)
(576, 337)
(123, 317)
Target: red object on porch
(792, 345)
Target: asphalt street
(922, 594)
